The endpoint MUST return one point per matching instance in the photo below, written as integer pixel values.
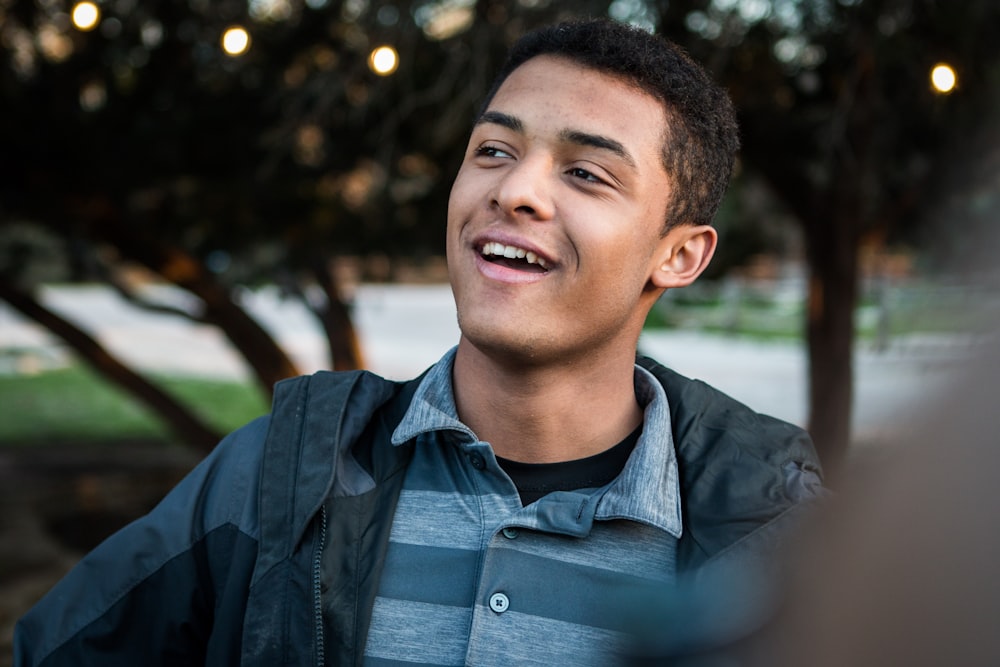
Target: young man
(511, 505)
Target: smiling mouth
(513, 257)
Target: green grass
(75, 404)
(918, 309)
(764, 321)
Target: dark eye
(577, 172)
(491, 151)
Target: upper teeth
(513, 252)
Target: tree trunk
(832, 250)
(345, 348)
(267, 360)
(178, 417)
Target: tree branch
(179, 417)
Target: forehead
(552, 93)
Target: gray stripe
(388, 662)
(539, 641)
(418, 633)
(433, 519)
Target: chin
(525, 349)
(511, 344)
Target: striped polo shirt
(473, 578)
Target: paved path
(405, 328)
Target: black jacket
(269, 552)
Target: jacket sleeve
(169, 588)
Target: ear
(683, 254)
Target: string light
(383, 60)
(86, 15)
(943, 78)
(235, 41)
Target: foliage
(142, 143)
(260, 165)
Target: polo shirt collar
(648, 488)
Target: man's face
(556, 214)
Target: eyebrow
(597, 141)
(577, 137)
(504, 120)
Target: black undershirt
(534, 480)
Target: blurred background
(199, 198)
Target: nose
(525, 190)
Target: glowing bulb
(384, 60)
(943, 78)
(86, 15)
(235, 41)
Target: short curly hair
(701, 136)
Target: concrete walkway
(405, 328)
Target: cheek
(466, 185)
(454, 197)
(621, 270)
(620, 248)
(458, 209)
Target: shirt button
(477, 461)
(509, 533)
(499, 603)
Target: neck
(546, 413)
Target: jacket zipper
(317, 576)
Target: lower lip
(505, 274)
